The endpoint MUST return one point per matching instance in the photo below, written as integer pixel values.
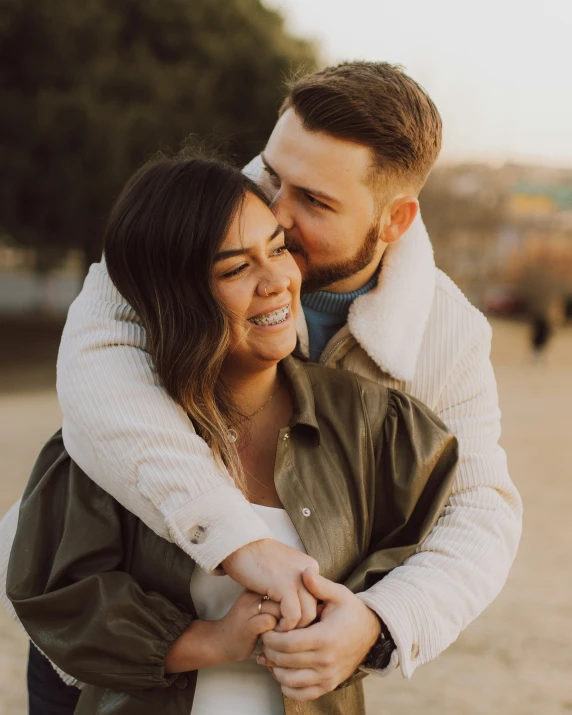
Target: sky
(499, 71)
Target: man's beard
(319, 277)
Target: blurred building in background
(504, 235)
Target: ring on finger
(264, 598)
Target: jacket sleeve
(8, 525)
(464, 562)
(64, 580)
(124, 431)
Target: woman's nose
(273, 283)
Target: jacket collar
(389, 322)
(302, 394)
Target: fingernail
(261, 660)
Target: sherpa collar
(389, 322)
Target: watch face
(379, 656)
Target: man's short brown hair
(377, 105)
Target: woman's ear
(402, 214)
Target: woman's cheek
(230, 295)
(294, 272)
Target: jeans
(47, 692)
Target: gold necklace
(232, 434)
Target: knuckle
(328, 660)
(270, 653)
(276, 658)
(268, 621)
(319, 644)
(309, 606)
(286, 677)
(329, 685)
(251, 628)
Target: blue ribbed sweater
(326, 313)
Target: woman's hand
(237, 633)
(275, 569)
(232, 638)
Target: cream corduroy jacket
(416, 332)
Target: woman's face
(259, 283)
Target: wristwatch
(377, 658)
(380, 653)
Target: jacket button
(306, 511)
(414, 651)
(182, 682)
(286, 436)
(197, 534)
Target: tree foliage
(89, 89)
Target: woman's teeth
(278, 316)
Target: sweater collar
(322, 301)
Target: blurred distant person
(540, 334)
(344, 165)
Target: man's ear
(402, 214)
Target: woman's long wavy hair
(160, 242)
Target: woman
(351, 472)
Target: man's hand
(275, 570)
(312, 662)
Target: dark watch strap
(380, 653)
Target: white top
(244, 688)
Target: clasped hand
(310, 650)
(307, 658)
(312, 661)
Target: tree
(89, 90)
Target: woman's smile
(272, 319)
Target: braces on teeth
(278, 316)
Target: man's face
(323, 201)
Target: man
(345, 163)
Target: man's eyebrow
(305, 189)
(243, 251)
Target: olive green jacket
(362, 470)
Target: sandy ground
(516, 659)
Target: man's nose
(281, 210)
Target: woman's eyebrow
(246, 249)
